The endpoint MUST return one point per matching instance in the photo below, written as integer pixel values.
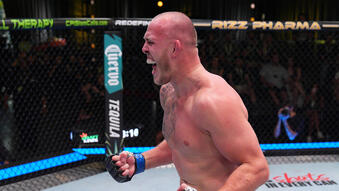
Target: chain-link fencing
(53, 93)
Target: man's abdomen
(203, 173)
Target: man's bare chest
(169, 119)
(180, 129)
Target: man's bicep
(230, 130)
(237, 141)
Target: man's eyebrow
(148, 39)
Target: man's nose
(145, 49)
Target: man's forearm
(160, 155)
(246, 177)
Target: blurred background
(199, 9)
(52, 82)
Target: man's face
(156, 47)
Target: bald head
(170, 44)
(176, 25)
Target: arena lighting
(40, 165)
(160, 3)
(79, 154)
(276, 146)
(252, 5)
(90, 151)
(289, 146)
(137, 149)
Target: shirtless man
(205, 126)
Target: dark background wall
(199, 9)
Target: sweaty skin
(207, 134)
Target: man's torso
(194, 154)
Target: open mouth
(154, 68)
(150, 61)
(153, 63)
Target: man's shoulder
(220, 102)
(218, 93)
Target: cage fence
(53, 92)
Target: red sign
(309, 179)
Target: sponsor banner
(85, 137)
(47, 23)
(113, 63)
(266, 25)
(86, 23)
(308, 176)
(21, 24)
(113, 85)
(131, 22)
(107, 23)
(241, 25)
(88, 138)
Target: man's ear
(176, 48)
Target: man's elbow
(263, 171)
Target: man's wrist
(139, 163)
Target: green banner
(114, 87)
(116, 23)
(113, 63)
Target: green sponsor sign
(32, 23)
(113, 96)
(85, 23)
(89, 139)
(113, 63)
(3, 25)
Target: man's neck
(185, 83)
